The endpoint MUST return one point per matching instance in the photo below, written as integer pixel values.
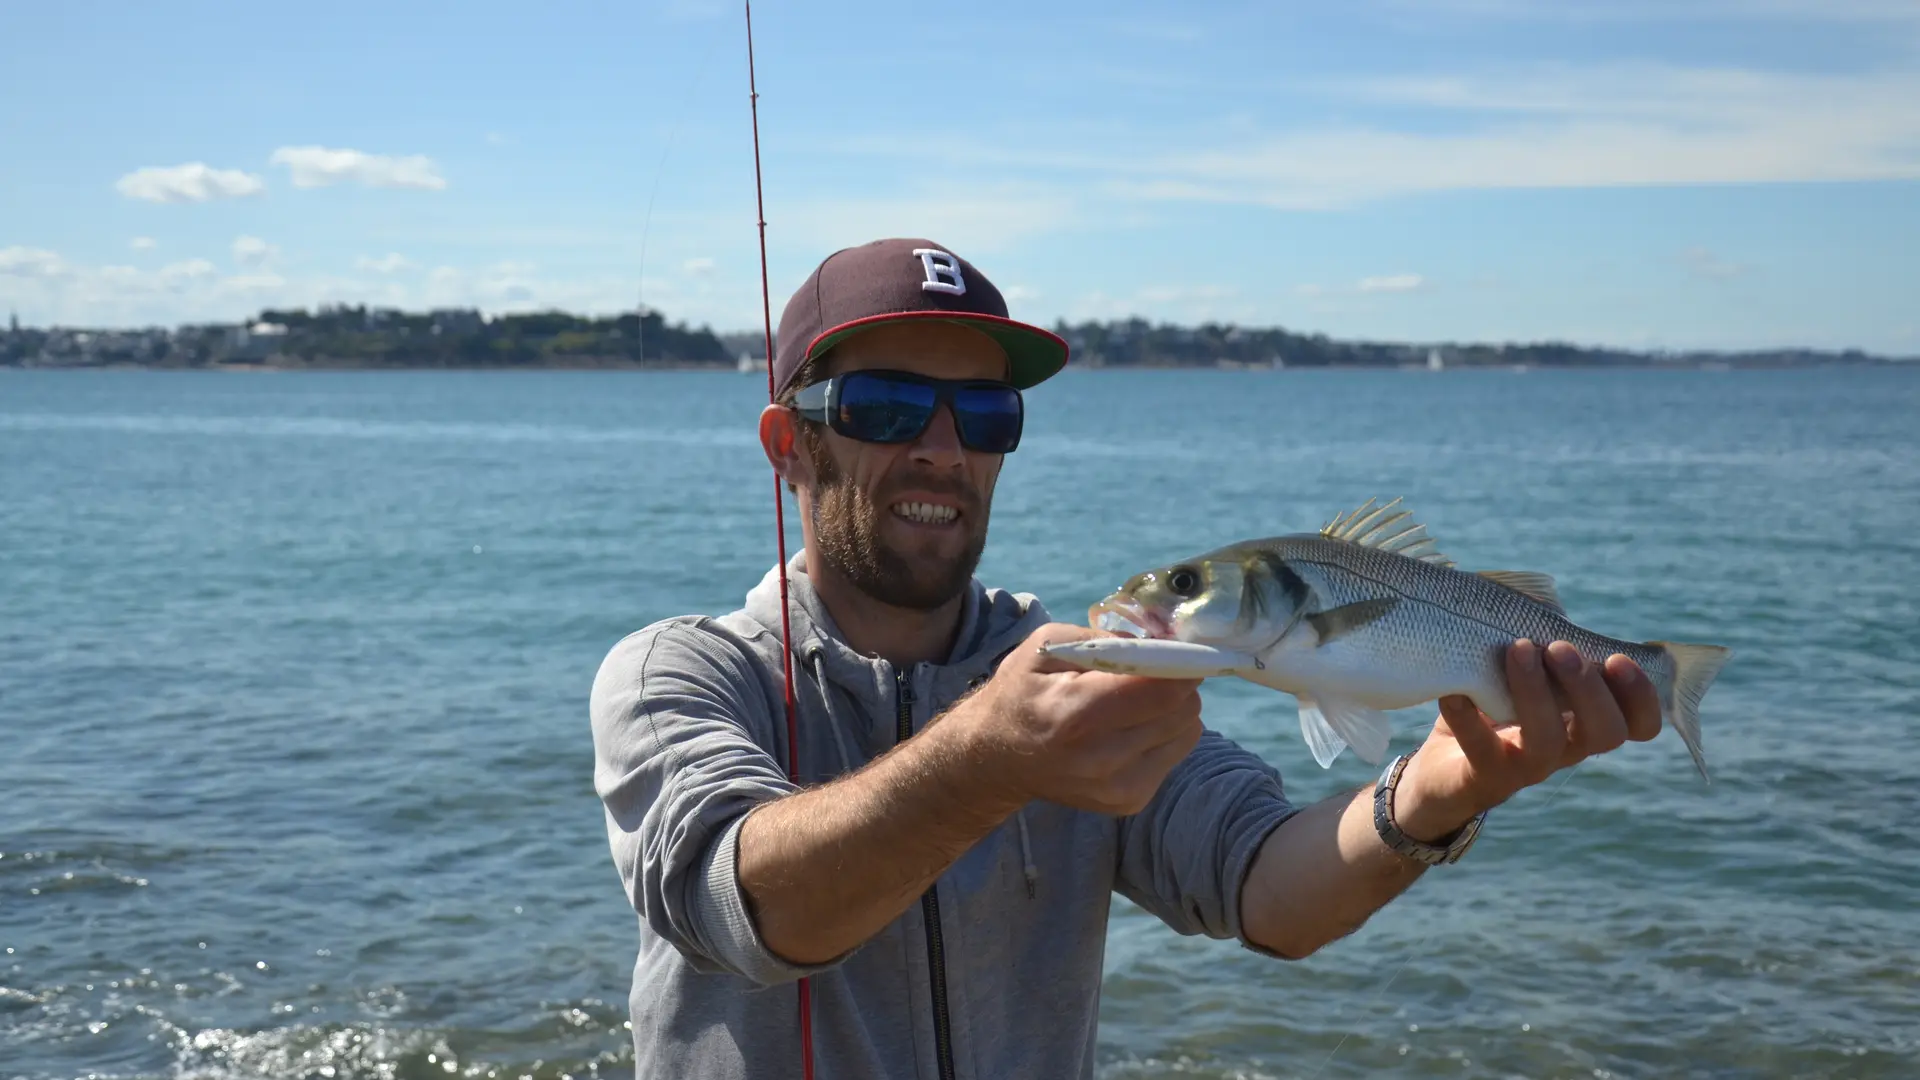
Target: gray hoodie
(999, 971)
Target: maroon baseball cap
(897, 280)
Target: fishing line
(779, 518)
(1417, 951)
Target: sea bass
(1363, 616)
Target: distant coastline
(375, 339)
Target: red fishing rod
(779, 516)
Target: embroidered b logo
(943, 272)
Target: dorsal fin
(1381, 528)
(1538, 586)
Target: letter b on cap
(943, 272)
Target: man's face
(861, 494)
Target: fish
(1364, 616)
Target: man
(941, 874)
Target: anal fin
(1329, 725)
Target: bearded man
(942, 871)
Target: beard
(846, 527)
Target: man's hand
(1467, 765)
(1086, 739)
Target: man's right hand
(1043, 729)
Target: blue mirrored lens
(884, 410)
(989, 418)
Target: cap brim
(1034, 355)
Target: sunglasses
(896, 406)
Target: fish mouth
(1123, 614)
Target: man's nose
(939, 445)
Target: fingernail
(1565, 661)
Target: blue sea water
(295, 772)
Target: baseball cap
(897, 280)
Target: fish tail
(1694, 669)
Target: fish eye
(1183, 581)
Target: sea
(295, 771)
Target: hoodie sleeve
(1185, 856)
(684, 744)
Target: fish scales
(1449, 625)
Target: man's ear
(780, 438)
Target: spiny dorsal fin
(1350, 617)
(1374, 527)
(1538, 586)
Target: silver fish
(1365, 615)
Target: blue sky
(1655, 173)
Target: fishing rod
(779, 515)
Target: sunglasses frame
(820, 402)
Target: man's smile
(931, 514)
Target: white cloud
(1179, 294)
(391, 263)
(257, 282)
(48, 290)
(1534, 127)
(975, 219)
(193, 182)
(1705, 264)
(700, 267)
(1569, 128)
(188, 271)
(1392, 283)
(494, 138)
(253, 252)
(30, 263)
(142, 243)
(320, 166)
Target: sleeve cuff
(724, 923)
(1264, 812)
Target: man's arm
(1324, 871)
(823, 870)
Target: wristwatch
(1447, 850)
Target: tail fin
(1694, 669)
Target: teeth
(925, 513)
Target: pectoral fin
(1330, 725)
(1151, 657)
(1538, 586)
(1350, 617)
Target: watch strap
(1448, 849)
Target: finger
(1639, 700)
(1472, 731)
(1543, 736)
(1598, 725)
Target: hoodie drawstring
(818, 661)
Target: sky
(1643, 173)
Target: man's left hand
(1566, 709)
